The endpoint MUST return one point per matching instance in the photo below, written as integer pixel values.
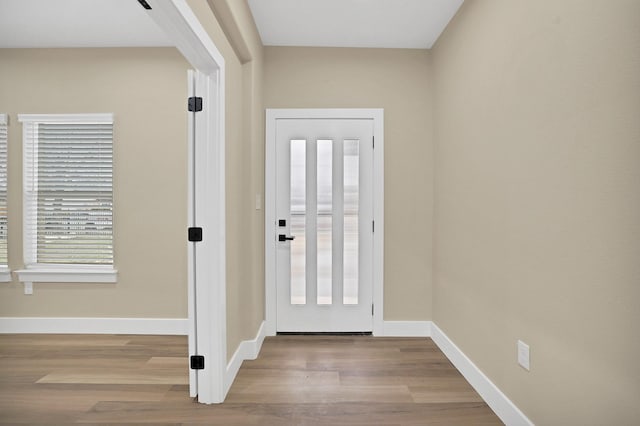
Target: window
(68, 197)
(4, 268)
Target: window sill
(67, 274)
(5, 274)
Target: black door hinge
(373, 226)
(195, 104)
(144, 4)
(197, 362)
(195, 234)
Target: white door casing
(206, 204)
(192, 82)
(319, 254)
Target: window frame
(5, 271)
(62, 272)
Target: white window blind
(68, 189)
(3, 190)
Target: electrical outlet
(523, 355)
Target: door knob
(282, 237)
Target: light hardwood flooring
(297, 380)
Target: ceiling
(336, 23)
(77, 23)
(353, 23)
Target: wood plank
(444, 389)
(285, 377)
(178, 362)
(319, 394)
(118, 376)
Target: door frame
(273, 114)
(206, 199)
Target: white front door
(324, 229)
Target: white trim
(191, 259)
(498, 401)
(270, 225)
(407, 329)
(150, 326)
(65, 274)
(378, 217)
(208, 177)
(210, 256)
(247, 350)
(5, 274)
(182, 27)
(70, 274)
(377, 115)
(66, 118)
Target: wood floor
(297, 380)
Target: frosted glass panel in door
(351, 227)
(298, 222)
(325, 220)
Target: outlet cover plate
(523, 355)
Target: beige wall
(398, 81)
(146, 90)
(537, 219)
(244, 128)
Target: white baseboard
(406, 328)
(498, 401)
(247, 350)
(155, 326)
